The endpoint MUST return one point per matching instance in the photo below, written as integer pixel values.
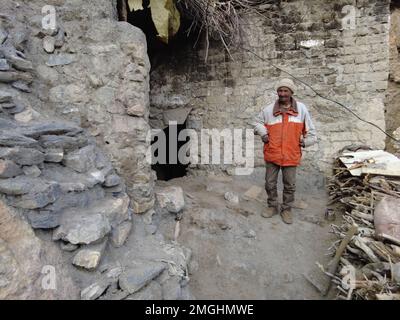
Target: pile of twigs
(220, 19)
(367, 268)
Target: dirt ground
(236, 253)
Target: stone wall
(350, 66)
(94, 72)
(392, 98)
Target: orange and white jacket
(285, 131)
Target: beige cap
(288, 83)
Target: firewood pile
(369, 267)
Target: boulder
(120, 233)
(81, 160)
(171, 198)
(79, 226)
(9, 169)
(140, 274)
(89, 257)
(22, 156)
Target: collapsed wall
(317, 42)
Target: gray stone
(138, 275)
(22, 156)
(59, 38)
(66, 246)
(153, 291)
(171, 198)
(4, 66)
(79, 226)
(120, 233)
(62, 142)
(50, 128)
(114, 208)
(17, 186)
(12, 139)
(81, 160)
(27, 115)
(39, 196)
(31, 171)
(231, 197)
(15, 57)
(5, 96)
(112, 180)
(76, 199)
(18, 108)
(43, 219)
(60, 60)
(3, 35)
(95, 290)
(54, 155)
(171, 289)
(9, 169)
(49, 44)
(89, 257)
(21, 86)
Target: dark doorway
(170, 169)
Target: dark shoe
(286, 216)
(271, 211)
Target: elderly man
(285, 126)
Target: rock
(153, 291)
(27, 116)
(3, 35)
(21, 86)
(59, 38)
(96, 176)
(115, 209)
(4, 66)
(49, 44)
(31, 171)
(12, 139)
(136, 110)
(231, 197)
(112, 180)
(23, 257)
(5, 96)
(171, 198)
(15, 58)
(76, 199)
(81, 160)
(9, 169)
(22, 156)
(95, 290)
(17, 186)
(18, 108)
(66, 246)
(88, 257)
(79, 226)
(138, 275)
(252, 193)
(140, 207)
(39, 196)
(60, 60)
(43, 219)
(11, 76)
(62, 142)
(250, 234)
(121, 233)
(50, 128)
(54, 155)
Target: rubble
(373, 251)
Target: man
(285, 127)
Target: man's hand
(264, 138)
(302, 144)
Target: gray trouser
(289, 184)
